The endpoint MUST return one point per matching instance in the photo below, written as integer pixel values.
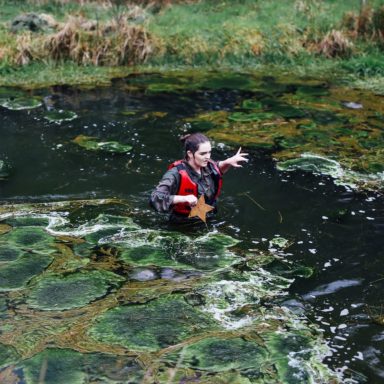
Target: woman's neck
(195, 167)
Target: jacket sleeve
(162, 197)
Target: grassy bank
(92, 41)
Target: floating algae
(60, 116)
(64, 366)
(31, 238)
(225, 298)
(222, 355)
(323, 166)
(300, 119)
(55, 293)
(92, 144)
(10, 253)
(60, 366)
(213, 327)
(168, 249)
(20, 103)
(18, 273)
(153, 326)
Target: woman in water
(186, 180)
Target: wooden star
(201, 209)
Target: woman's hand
(191, 200)
(234, 161)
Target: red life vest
(188, 187)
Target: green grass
(37, 75)
(238, 35)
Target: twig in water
(280, 217)
(252, 199)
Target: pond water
(283, 285)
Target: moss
(61, 292)
(152, 326)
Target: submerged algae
(222, 354)
(164, 322)
(55, 292)
(166, 249)
(64, 366)
(153, 326)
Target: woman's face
(201, 157)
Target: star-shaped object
(201, 209)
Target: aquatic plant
(58, 292)
(16, 274)
(92, 144)
(153, 326)
(20, 103)
(60, 116)
(148, 247)
(222, 355)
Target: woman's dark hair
(192, 141)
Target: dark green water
(334, 230)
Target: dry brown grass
(368, 24)
(85, 42)
(378, 23)
(111, 44)
(335, 44)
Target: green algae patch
(321, 165)
(9, 253)
(291, 354)
(222, 355)
(152, 326)
(8, 355)
(311, 163)
(91, 144)
(64, 366)
(207, 252)
(20, 103)
(246, 117)
(60, 116)
(30, 238)
(252, 104)
(18, 273)
(61, 366)
(55, 293)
